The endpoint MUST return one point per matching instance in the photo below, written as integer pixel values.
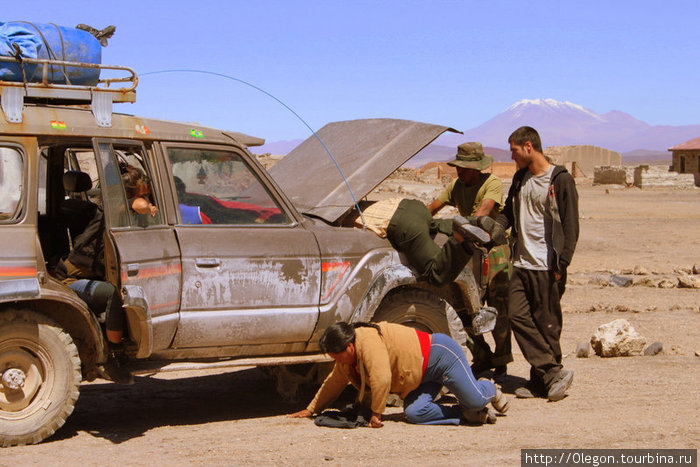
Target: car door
(146, 247)
(250, 269)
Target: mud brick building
(686, 158)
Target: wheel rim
(20, 360)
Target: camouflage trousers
(483, 358)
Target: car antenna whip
(222, 75)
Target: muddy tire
(39, 377)
(300, 381)
(422, 310)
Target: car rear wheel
(422, 310)
(39, 377)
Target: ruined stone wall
(586, 157)
(613, 175)
(646, 176)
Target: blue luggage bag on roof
(52, 42)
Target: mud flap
(139, 318)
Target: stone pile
(687, 277)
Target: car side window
(219, 187)
(11, 179)
(130, 198)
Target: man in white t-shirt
(542, 209)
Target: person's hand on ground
(301, 414)
(376, 421)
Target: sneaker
(116, 368)
(529, 392)
(557, 389)
(500, 402)
(470, 232)
(479, 416)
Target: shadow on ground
(120, 413)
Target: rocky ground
(637, 249)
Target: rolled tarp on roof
(49, 42)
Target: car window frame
(20, 209)
(150, 170)
(255, 168)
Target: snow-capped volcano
(563, 122)
(521, 108)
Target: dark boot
(116, 365)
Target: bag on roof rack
(49, 42)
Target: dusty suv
(239, 266)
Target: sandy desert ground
(217, 418)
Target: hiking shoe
(529, 392)
(470, 232)
(500, 374)
(479, 416)
(500, 402)
(480, 369)
(116, 368)
(557, 389)
(495, 230)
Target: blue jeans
(102, 297)
(447, 366)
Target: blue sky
(457, 63)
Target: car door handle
(132, 270)
(207, 262)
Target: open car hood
(367, 151)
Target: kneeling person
(392, 358)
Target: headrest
(74, 180)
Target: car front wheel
(39, 377)
(422, 310)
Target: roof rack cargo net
(100, 96)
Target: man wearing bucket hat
(479, 197)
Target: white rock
(617, 339)
(689, 282)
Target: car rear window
(11, 178)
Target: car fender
(390, 278)
(61, 304)
(19, 289)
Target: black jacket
(88, 251)
(563, 207)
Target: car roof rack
(100, 96)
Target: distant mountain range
(559, 123)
